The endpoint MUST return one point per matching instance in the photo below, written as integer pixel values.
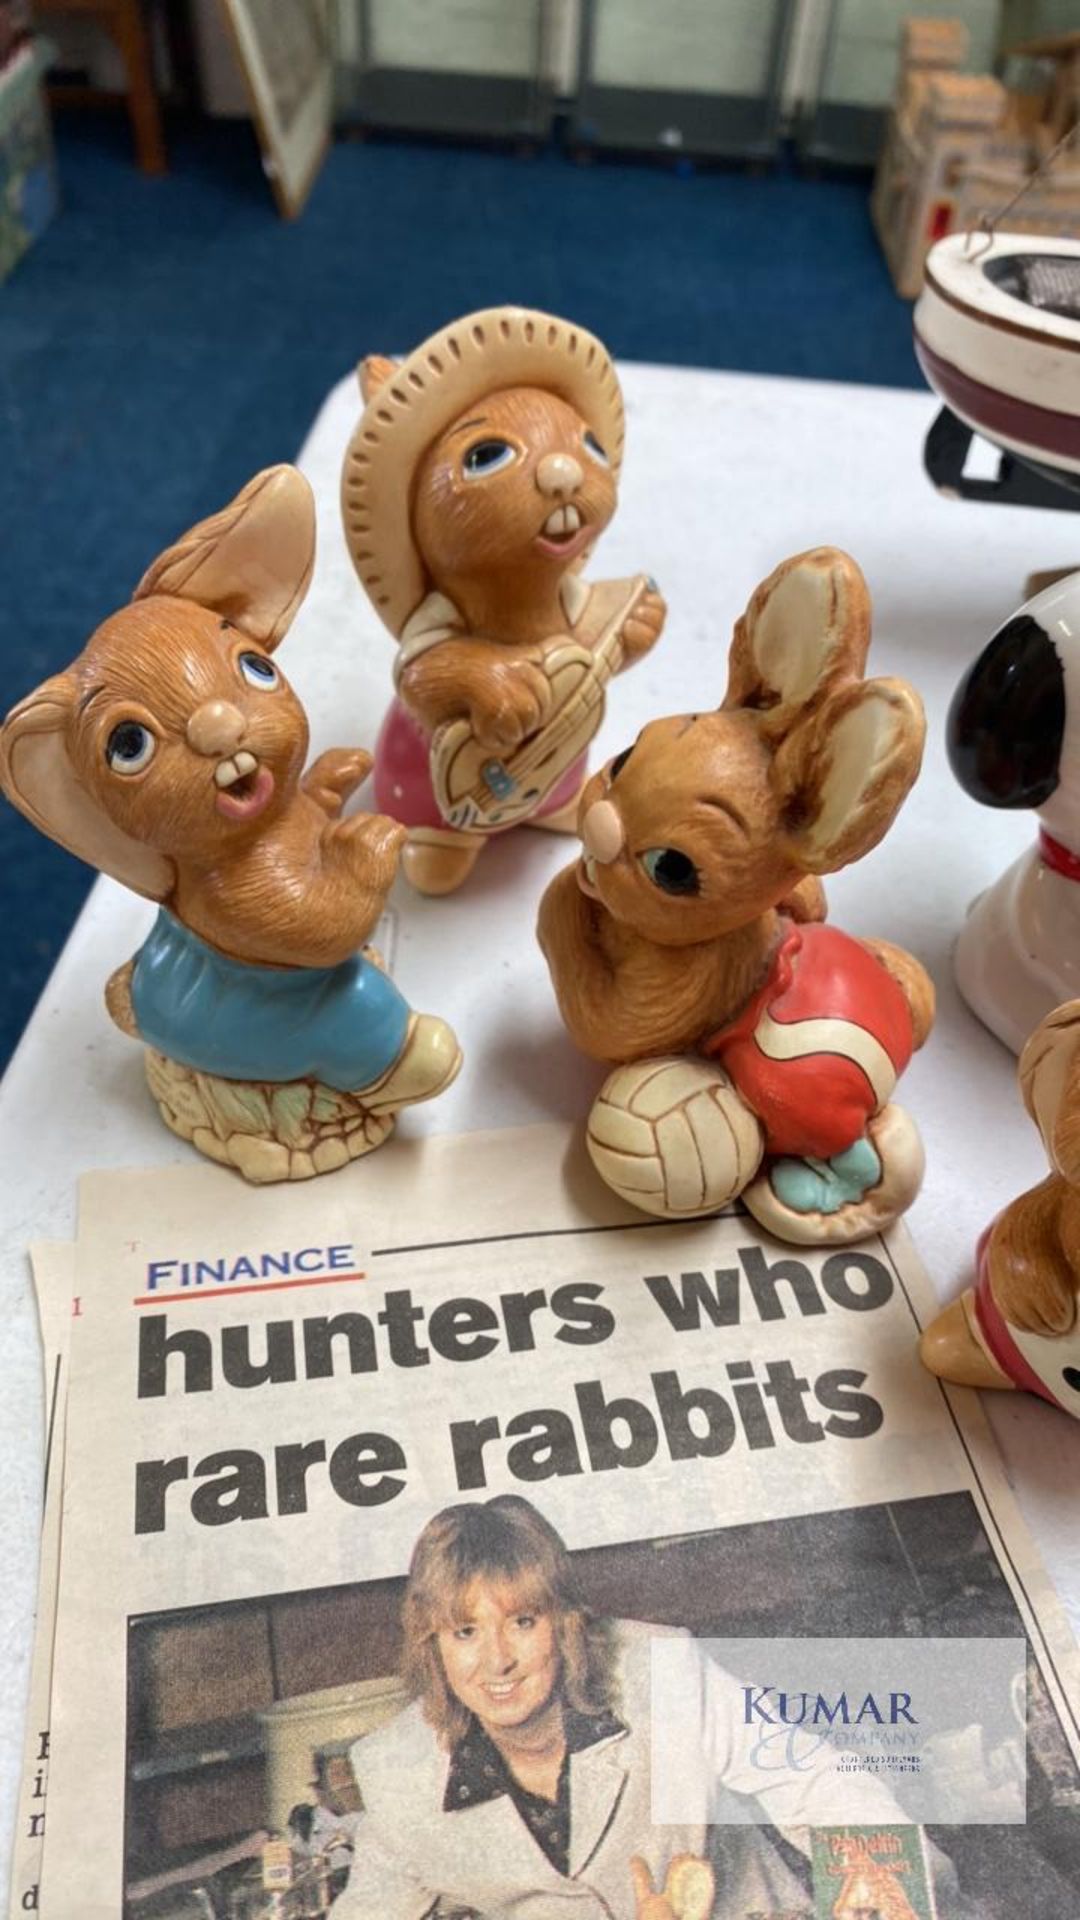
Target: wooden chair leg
(143, 104)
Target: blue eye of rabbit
(257, 670)
(488, 456)
(130, 747)
(671, 871)
(592, 445)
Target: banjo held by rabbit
(756, 1048)
(170, 755)
(481, 791)
(1019, 1325)
(481, 474)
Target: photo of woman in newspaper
(516, 1785)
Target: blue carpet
(166, 338)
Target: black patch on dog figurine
(1007, 719)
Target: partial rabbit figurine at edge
(1019, 1325)
(482, 472)
(686, 944)
(170, 755)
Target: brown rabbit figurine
(482, 472)
(1019, 1325)
(170, 754)
(758, 1048)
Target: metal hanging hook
(988, 222)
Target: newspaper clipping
(451, 1541)
(54, 1274)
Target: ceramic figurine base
(757, 1049)
(266, 1132)
(1018, 954)
(271, 1131)
(480, 476)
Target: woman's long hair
(507, 1542)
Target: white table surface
(725, 474)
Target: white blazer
(409, 1851)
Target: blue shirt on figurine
(342, 1025)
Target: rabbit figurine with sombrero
(755, 1049)
(170, 754)
(482, 472)
(1019, 1324)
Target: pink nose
(215, 727)
(602, 832)
(558, 474)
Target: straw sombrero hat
(483, 353)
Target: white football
(673, 1137)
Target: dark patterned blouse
(478, 1773)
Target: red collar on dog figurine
(1059, 858)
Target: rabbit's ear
(805, 631)
(37, 776)
(251, 562)
(843, 772)
(372, 373)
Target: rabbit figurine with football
(482, 472)
(755, 1048)
(1019, 1325)
(170, 754)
